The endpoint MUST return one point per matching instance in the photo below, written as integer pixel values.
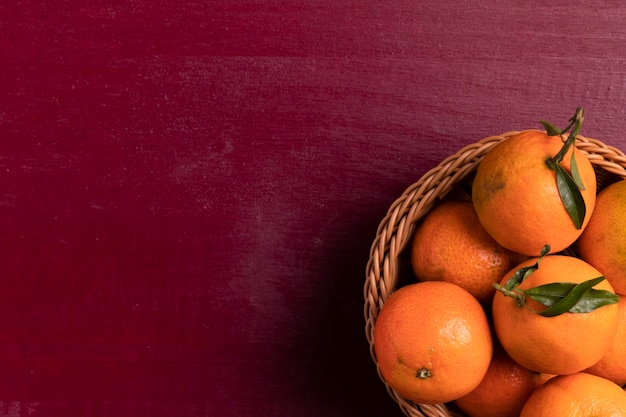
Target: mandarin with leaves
(536, 188)
(432, 341)
(576, 395)
(555, 314)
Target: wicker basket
(389, 268)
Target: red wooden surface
(189, 189)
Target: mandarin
(504, 389)
(516, 196)
(576, 395)
(451, 245)
(612, 366)
(432, 341)
(555, 345)
(603, 242)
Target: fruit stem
(575, 124)
(520, 299)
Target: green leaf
(523, 273)
(569, 185)
(519, 276)
(563, 297)
(570, 196)
(550, 294)
(551, 130)
(575, 173)
(594, 299)
(544, 251)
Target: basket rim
(394, 231)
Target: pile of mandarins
(519, 307)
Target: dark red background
(189, 189)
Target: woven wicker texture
(388, 266)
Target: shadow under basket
(389, 265)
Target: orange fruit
(451, 245)
(564, 344)
(517, 199)
(432, 342)
(504, 389)
(576, 395)
(613, 365)
(603, 242)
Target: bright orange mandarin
(451, 245)
(565, 344)
(504, 389)
(432, 341)
(613, 365)
(576, 395)
(603, 243)
(516, 197)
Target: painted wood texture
(189, 189)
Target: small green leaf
(570, 196)
(519, 276)
(551, 130)
(575, 173)
(575, 124)
(523, 273)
